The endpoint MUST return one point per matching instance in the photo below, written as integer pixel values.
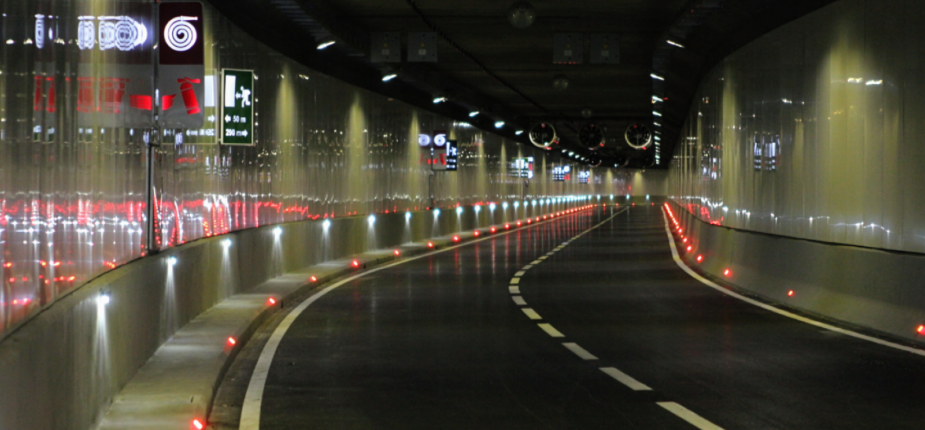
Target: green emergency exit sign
(237, 107)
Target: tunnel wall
(804, 151)
(73, 200)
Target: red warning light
(430, 244)
(476, 233)
(8, 265)
(921, 329)
(685, 240)
(529, 221)
(455, 238)
(231, 341)
(790, 293)
(727, 272)
(314, 279)
(493, 229)
(518, 223)
(397, 253)
(356, 263)
(699, 258)
(689, 248)
(271, 301)
(197, 425)
(507, 226)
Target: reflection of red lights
(8, 265)
(699, 258)
(790, 293)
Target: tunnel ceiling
(506, 73)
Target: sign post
(237, 107)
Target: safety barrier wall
(63, 369)
(73, 200)
(869, 288)
(803, 151)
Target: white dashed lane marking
(530, 313)
(686, 415)
(520, 273)
(625, 379)
(515, 280)
(550, 330)
(519, 300)
(514, 290)
(579, 351)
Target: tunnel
(423, 214)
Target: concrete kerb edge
(367, 260)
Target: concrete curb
(178, 384)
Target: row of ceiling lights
(499, 123)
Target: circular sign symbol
(423, 140)
(440, 140)
(180, 34)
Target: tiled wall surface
(816, 131)
(72, 185)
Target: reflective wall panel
(72, 166)
(815, 131)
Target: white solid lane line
(253, 397)
(520, 273)
(519, 300)
(515, 280)
(713, 285)
(530, 313)
(686, 415)
(625, 379)
(514, 290)
(550, 330)
(579, 351)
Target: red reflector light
(314, 279)
(921, 329)
(397, 253)
(790, 293)
(685, 240)
(430, 244)
(529, 221)
(198, 425)
(507, 226)
(727, 272)
(231, 341)
(493, 230)
(8, 265)
(271, 301)
(689, 248)
(356, 263)
(699, 258)
(518, 223)
(455, 238)
(476, 234)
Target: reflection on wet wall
(815, 131)
(73, 75)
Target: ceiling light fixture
(654, 76)
(673, 43)
(473, 114)
(499, 124)
(389, 77)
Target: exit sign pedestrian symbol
(237, 107)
